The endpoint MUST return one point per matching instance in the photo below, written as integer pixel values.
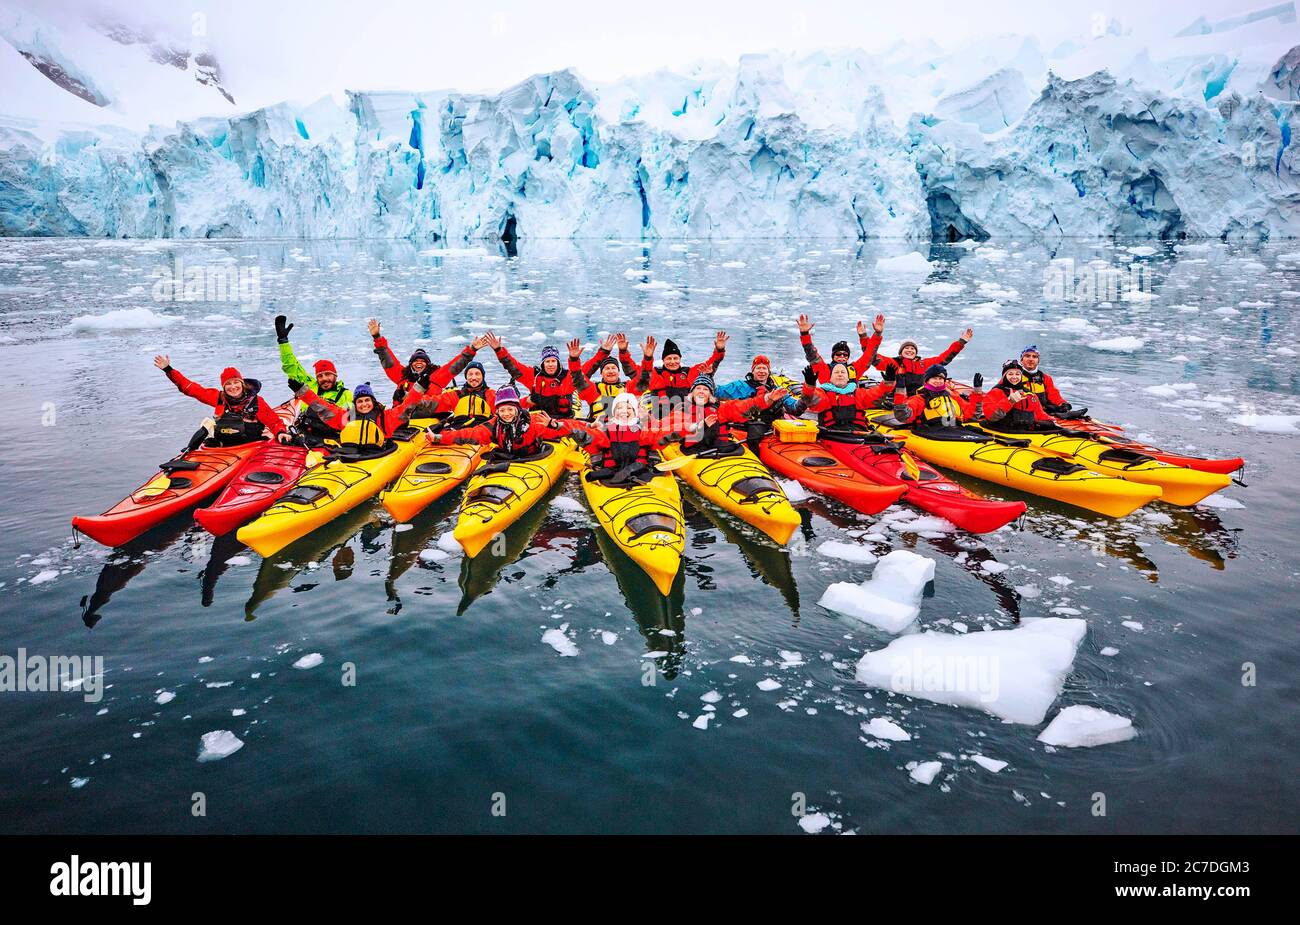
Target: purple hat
(506, 395)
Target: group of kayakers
(631, 407)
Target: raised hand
(622, 340)
(608, 343)
(650, 344)
(282, 328)
(878, 324)
(373, 326)
(862, 329)
(492, 340)
(720, 340)
(779, 395)
(978, 381)
(479, 343)
(575, 348)
(809, 375)
(805, 325)
(162, 361)
(967, 334)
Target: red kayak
(813, 466)
(882, 462)
(1113, 435)
(180, 484)
(259, 482)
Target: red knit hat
(229, 373)
(325, 366)
(761, 360)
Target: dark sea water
(459, 708)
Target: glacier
(999, 140)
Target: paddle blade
(913, 470)
(671, 465)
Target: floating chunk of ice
(218, 744)
(1014, 674)
(1080, 726)
(891, 598)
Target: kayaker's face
(840, 376)
(609, 374)
(909, 352)
(508, 413)
(1012, 376)
(672, 362)
(625, 413)
(327, 380)
(234, 388)
(473, 378)
(938, 383)
(418, 366)
(364, 405)
(839, 357)
(761, 372)
(550, 366)
(1029, 361)
(701, 395)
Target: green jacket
(340, 395)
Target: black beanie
(670, 348)
(840, 347)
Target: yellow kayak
(499, 493)
(1178, 485)
(334, 487)
(741, 485)
(433, 472)
(1023, 468)
(644, 520)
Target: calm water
(458, 699)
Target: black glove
(294, 384)
(1063, 407)
(809, 375)
(580, 436)
(978, 381)
(282, 328)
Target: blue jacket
(747, 388)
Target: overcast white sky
(307, 48)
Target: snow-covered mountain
(1189, 136)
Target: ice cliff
(1003, 139)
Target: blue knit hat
(549, 352)
(475, 364)
(705, 379)
(363, 391)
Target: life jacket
(677, 383)
(552, 394)
(941, 410)
(625, 447)
(238, 422)
(606, 392)
(1021, 416)
(314, 430)
(472, 403)
(842, 412)
(364, 432)
(707, 436)
(911, 374)
(1034, 382)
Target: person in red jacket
(699, 423)
(840, 352)
(512, 431)
(934, 405)
(621, 446)
(671, 382)
(1011, 407)
(419, 368)
(550, 388)
(909, 368)
(842, 403)
(378, 422)
(608, 383)
(241, 415)
(472, 401)
(1041, 384)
